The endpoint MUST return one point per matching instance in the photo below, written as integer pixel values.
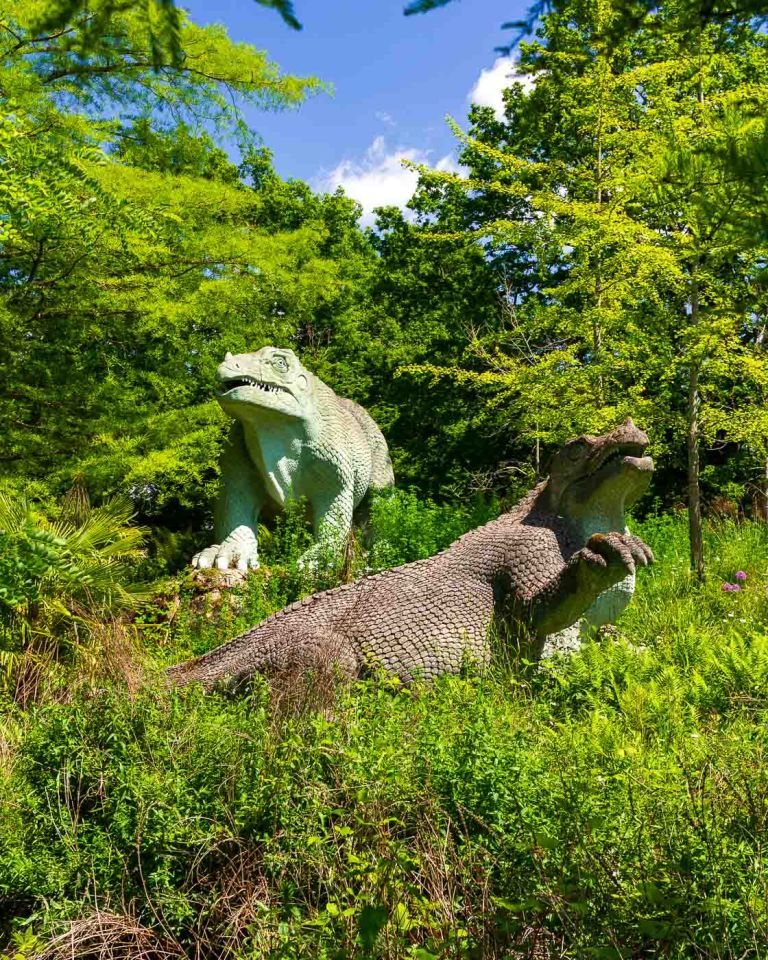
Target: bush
(404, 527)
(613, 804)
(63, 582)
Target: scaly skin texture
(291, 437)
(534, 571)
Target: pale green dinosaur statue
(292, 437)
(563, 554)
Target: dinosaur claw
(623, 550)
(593, 559)
(239, 551)
(202, 560)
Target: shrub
(63, 581)
(612, 804)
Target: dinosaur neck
(598, 516)
(601, 520)
(275, 446)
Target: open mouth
(234, 383)
(632, 451)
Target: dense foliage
(611, 805)
(620, 202)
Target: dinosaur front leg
(332, 521)
(241, 498)
(605, 561)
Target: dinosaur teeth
(245, 381)
(633, 450)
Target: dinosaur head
(271, 380)
(600, 474)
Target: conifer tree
(632, 180)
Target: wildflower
(740, 575)
(730, 587)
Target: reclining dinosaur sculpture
(562, 554)
(291, 437)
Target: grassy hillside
(611, 805)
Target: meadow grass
(611, 805)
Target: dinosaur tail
(236, 661)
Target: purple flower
(740, 575)
(731, 587)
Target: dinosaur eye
(281, 363)
(575, 450)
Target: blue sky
(395, 78)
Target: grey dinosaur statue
(291, 437)
(562, 554)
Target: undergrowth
(609, 805)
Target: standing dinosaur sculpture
(291, 437)
(562, 554)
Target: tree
(163, 19)
(630, 16)
(133, 254)
(630, 182)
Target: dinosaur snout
(628, 433)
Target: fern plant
(61, 578)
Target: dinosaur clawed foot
(238, 551)
(616, 554)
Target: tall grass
(612, 805)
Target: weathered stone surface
(562, 554)
(291, 437)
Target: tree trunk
(763, 496)
(695, 537)
(597, 333)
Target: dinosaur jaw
(623, 465)
(620, 455)
(243, 390)
(620, 479)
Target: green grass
(610, 805)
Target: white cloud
(386, 118)
(489, 86)
(379, 178)
(449, 164)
